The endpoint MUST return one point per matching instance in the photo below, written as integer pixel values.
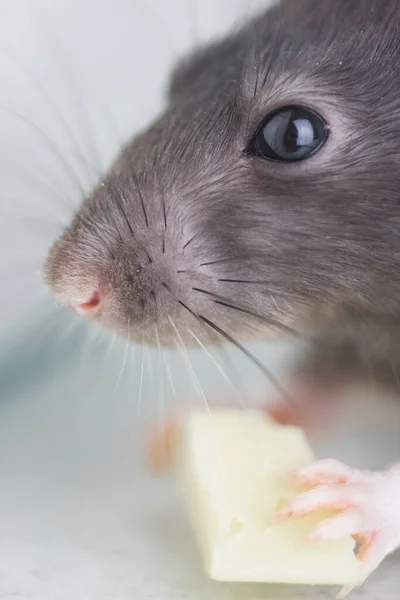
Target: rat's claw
(367, 507)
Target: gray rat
(265, 201)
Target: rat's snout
(132, 280)
(89, 307)
(74, 269)
(73, 280)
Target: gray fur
(318, 241)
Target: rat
(264, 201)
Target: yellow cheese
(232, 467)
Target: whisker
(170, 379)
(151, 370)
(82, 110)
(218, 299)
(214, 361)
(161, 408)
(251, 313)
(187, 244)
(216, 262)
(48, 187)
(49, 327)
(251, 356)
(133, 355)
(165, 223)
(50, 144)
(113, 338)
(125, 358)
(187, 308)
(189, 366)
(86, 351)
(240, 347)
(43, 92)
(235, 373)
(164, 211)
(120, 202)
(68, 331)
(249, 282)
(274, 302)
(141, 378)
(98, 335)
(143, 207)
(185, 364)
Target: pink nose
(89, 307)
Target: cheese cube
(234, 467)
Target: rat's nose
(89, 307)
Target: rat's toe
(348, 522)
(323, 497)
(327, 471)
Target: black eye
(289, 134)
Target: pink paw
(368, 506)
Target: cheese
(234, 471)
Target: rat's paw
(160, 445)
(367, 505)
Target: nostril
(90, 306)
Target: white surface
(79, 518)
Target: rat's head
(265, 198)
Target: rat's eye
(289, 134)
